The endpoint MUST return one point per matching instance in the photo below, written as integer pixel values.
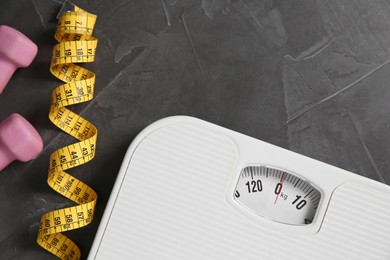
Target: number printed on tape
(76, 45)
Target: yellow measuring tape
(76, 44)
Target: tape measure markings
(67, 218)
(61, 246)
(88, 130)
(76, 44)
(75, 51)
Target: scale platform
(189, 189)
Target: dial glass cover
(277, 195)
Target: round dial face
(277, 195)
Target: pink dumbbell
(16, 51)
(18, 140)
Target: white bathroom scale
(189, 189)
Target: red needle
(281, 183)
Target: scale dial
(277, 195)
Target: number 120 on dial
(277, 195)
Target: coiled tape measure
(188, 189)
(76, 45)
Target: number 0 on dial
(277, 195)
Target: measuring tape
(76, 44)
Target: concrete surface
(308, 75)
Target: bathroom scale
(189, 189)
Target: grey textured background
(308, 75)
